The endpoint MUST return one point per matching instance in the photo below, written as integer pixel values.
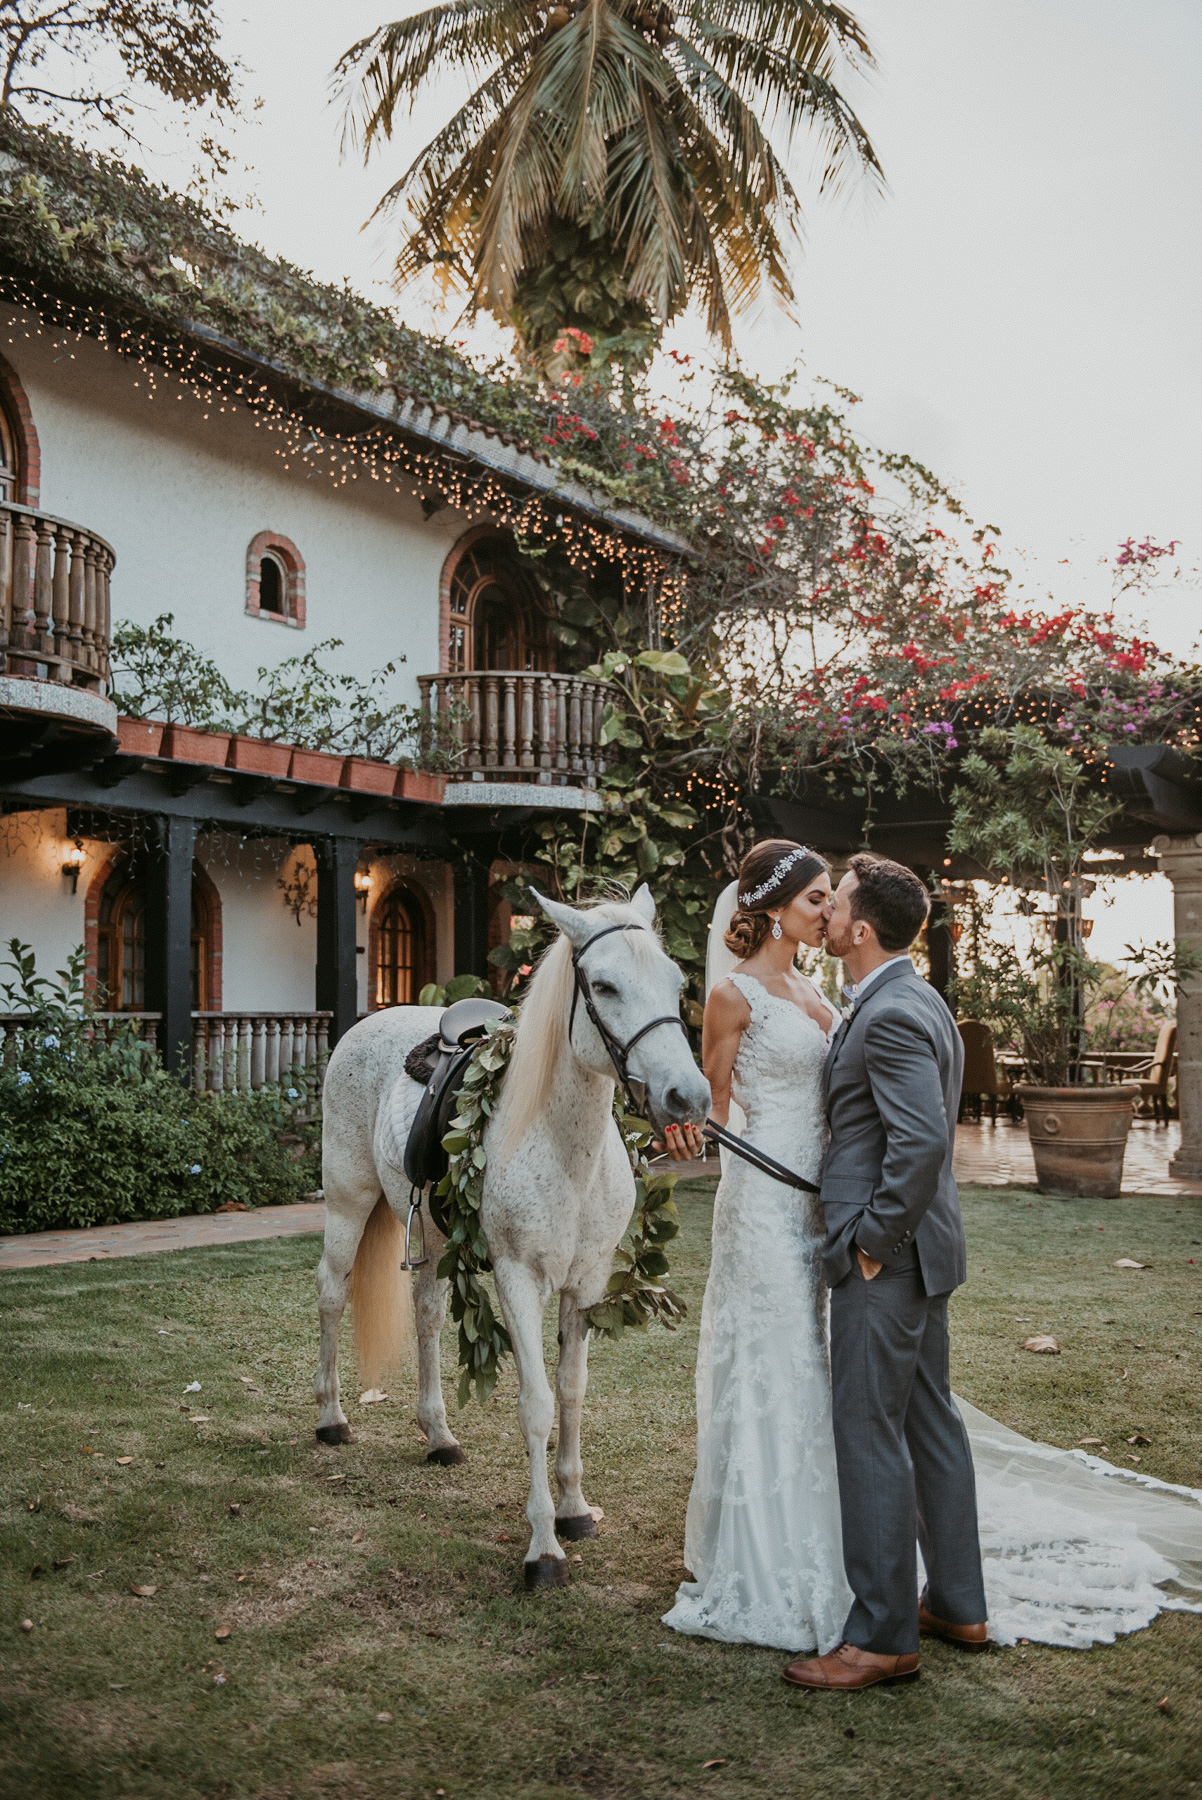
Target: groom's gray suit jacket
(893, 1091)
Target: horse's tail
(382, 1299)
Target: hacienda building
(188, 427)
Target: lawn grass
(360, 1581)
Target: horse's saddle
(439, 1063)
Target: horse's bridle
(619, 1053)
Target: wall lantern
(362, 886)
(74, 858)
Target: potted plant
(1031, 811)
(368, 776)
(316, 766)
(192, 743)
(140, 737)
(259, 756)
(420, 784)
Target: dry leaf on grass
(122, 1460)
(26, 1624)
(715, 1762)
(200, 1419)
(1125, 1262)
(372, 1396)
(1090, 1440)
(1042, 1345)
(247, 1382)
(1139, 1438)
(222, 1632)
(1163, 1705)
(143, 1593)
(358, 1537)
(384, 1718)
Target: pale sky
(1020, 310)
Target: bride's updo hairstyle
(769, 877)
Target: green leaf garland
(636, 1293)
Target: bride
(1074, 1550)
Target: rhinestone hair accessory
(777, 876)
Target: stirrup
(409, 1261)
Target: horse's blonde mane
(543, 1022)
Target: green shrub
(94, 1132)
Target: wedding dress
(1075, 1551)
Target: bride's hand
(681, 1142)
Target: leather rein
(619, 1052)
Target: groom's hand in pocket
(868, 1269)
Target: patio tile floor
(1000, 1156)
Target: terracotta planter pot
(184, 743)
(256, 757)
(368, 777)
(317, 766)
(415, 784)
(1079, 1137)
(140, 737)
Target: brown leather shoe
(965, 1637)
(848, 1668)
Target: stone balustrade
(520, 726)
(54, 599)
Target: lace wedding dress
(762, 1535)
(1075, 1551)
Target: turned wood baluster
(43, 587)
(491, 728)
(76, 604)
(89, 604)
(104, 608)
(323, 1040)
(198, 1054)
(526, 747)
(475, 722)
(242, 1078)
(561, 723)
(546, 746)
(287, 1050)
(22, 545)
(510, 760)
(258, 1034)
(271, 1059)
(62, 602)
(575, 760)
(586, 729)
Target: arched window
(20, 456)
(275, 579)
(495, 622)
(403, 947)
(121, 942)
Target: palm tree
(614, 161)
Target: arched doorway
(120, 943)
(20, 456)
(495, 621)
(402, 945)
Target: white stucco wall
(36, 902)
(180, 496)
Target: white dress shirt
(857, 991)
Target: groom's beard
(837, 943)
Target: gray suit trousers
(905, 1467)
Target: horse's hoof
(333, 1434)
(547, 1571)
(446, 1454)
(582, 1525)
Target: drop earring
(776, 930)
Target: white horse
(558, 1191)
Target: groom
(894, 1253)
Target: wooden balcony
(54, 599)
(518, 726)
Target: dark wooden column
(168, 885)
(337, 979)
(941, 949)
(471, 916)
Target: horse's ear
(643, 903)
(576, 926)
